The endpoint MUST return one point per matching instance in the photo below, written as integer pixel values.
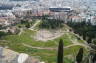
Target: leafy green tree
(2, 34)
(60, 52)
(79, 56)
(51, 24)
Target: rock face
(45, 35)
(9, 56)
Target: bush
(2, 34)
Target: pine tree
(60, 52)
(79, 56)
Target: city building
(66, 9)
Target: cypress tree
(60, 52)
(84, 35)
(94, 59)
(79, 56)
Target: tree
(84, 35)
(27, 25)
(2, 34)
(94, 59)
(51, 24)
(89, 40)
(60, 52)
(79, 56)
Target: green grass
(66, 60)
(49, 56)
(26, 37)
(14, 42)
(73, 50)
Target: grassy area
(66, 60)
(73, 50)
(14, 42)
(27, 38)
(49, 56)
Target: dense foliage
(88, 32)
(2, 34)
(51, 24)
(84, 29)
(27, 23)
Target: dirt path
(21, 31)
(49, 48)
(79, 37)
(75, 43)
(46, 48)
(32, 28)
